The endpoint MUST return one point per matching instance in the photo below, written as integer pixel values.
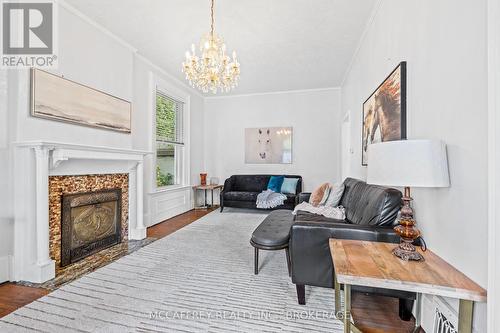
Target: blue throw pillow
(275, 183)
(289, 186)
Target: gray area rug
(198, 279)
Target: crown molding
(298, 91)
(368, 25)
(169, 76)
(96, 25)
(127, 45)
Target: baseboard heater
(444, 317)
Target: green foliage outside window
(163, 179)
(166, 123)
(165, 118)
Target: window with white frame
(169, 141)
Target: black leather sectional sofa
(241, 191)
(371, 213)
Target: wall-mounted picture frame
(56, 98)
(268, 145)
(384, 112)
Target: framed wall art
(384, 112)
(56, 98)
(268, 145)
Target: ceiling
(281, 44)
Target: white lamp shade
(414, 163)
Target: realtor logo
(28, 34)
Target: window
(169, 141)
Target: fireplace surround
(35, 258)
(90, 222)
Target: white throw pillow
(325, 196)
(336, 192)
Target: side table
(206, 188)
(372, 264)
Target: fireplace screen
(90, 222)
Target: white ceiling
(281, 44)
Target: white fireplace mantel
(34, 162)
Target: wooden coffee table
(371, 264)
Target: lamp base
(407, 251)
(407, 231)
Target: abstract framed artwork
(56, 98)
(268, 145)
(384, 112)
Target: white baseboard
(137, 234)
(5, 268)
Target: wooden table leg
(347, 308)
(338, 309)
(465, 310)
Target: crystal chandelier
(214, 69)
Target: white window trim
(169, 90)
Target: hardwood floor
(378, 314)
(14, 296)
(372, 314)
(169, 226)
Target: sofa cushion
(290, 199)
(303, 216)
(241, 196)
(335, 195)
(370, 204)
(289, 186)
(275, 183)
(250, 183)
(318, 194)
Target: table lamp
(408, 163)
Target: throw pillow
(275, 183)
(289, 186)
(325, 196)
(335, 195)
(317, 194)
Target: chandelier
(214, 69)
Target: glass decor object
(213, 70)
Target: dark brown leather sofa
(371, 213)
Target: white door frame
(346, 146)
(493, 166)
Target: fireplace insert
(91, 222)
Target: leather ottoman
(273, 234)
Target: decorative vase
(203, 179)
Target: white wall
(444, 43)
(314, 116)
(92, 56)
(87, 56)
(6, 226)
(494, 166)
